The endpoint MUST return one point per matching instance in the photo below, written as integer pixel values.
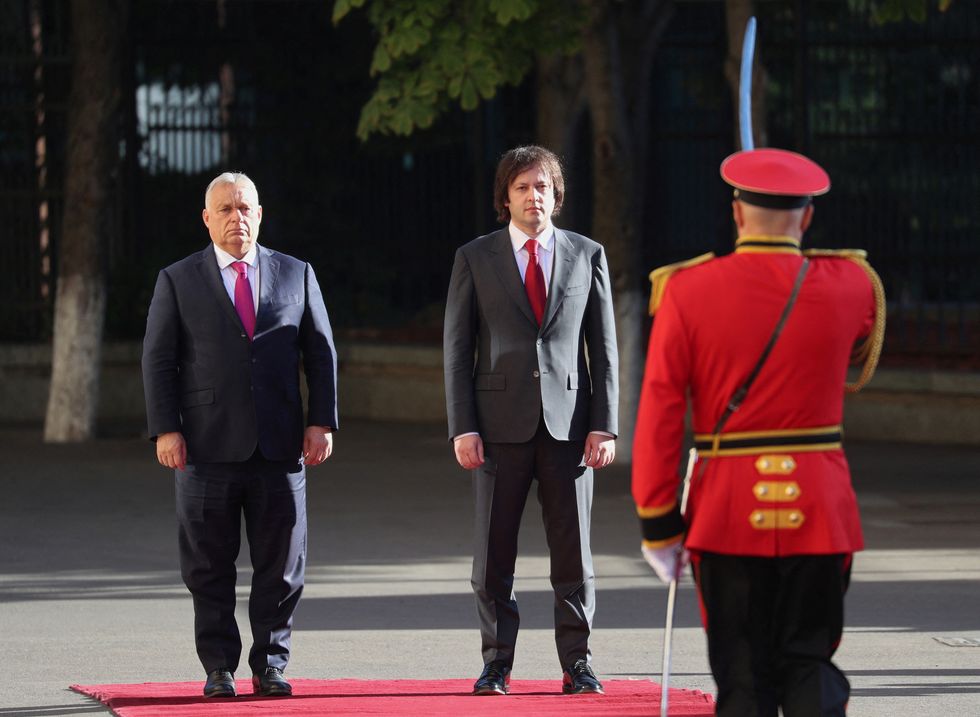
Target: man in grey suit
(531, 394)
(227, 331)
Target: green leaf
(340, 10)
(381, 62)
(468, 97)
(455, 86)
(507, 11)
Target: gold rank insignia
(659, 277)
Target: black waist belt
(823, 438)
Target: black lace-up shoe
(221, 683)
(579, 679)
(271, 683)
(495, 679)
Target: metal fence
(271, 88)
(892, 112)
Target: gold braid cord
(869, 351)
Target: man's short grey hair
(230, 178)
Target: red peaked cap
(774, 178)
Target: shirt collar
(518, 238)
(225, 259)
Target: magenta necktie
(534, 281)
(243, 298)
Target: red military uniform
(778, 483)
(771, 519)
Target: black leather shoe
(271, 683)
(495, 679)
(579, 679)
(221, 683)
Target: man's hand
(469, 450)
(668, 561)
(317, 444)
(600, 450)
(172, 450)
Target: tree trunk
(737, 14)
(560, 102)
(615, 221)
(98, 29)
(618, 46)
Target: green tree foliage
(431, 53)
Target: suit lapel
(268, 275)
(502, 259)
(211, 274)
(562, 263)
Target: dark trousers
(211, 500)
(501, 486)
(773, 624)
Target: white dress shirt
(546, 251)
(229, 275)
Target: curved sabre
(745, 86)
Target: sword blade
(665, 660)
(692, 459)
(745, 86)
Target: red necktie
(243, 298)
(534, 281)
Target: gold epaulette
(870, 350)
(659, 277)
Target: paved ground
(90, 593)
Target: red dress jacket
(789, 492)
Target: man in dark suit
(532, 393)
(226, 332)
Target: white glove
(668, 561)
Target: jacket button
(536, 374)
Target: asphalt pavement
(90, 591)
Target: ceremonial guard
(761, 340)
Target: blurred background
(885, 95)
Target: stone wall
(404, 383)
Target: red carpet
(541, 698)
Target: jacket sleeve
(459, 349)
(660, 427)
(600, 337)
(159, 361)
(319, 357)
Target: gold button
(787, 465)
(763, 490)
(794, 517)
(758, 517)
(790, 490)
(764, 464)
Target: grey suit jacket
(203, 377)
(502, 371)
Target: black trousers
(501, 486)
(211, 500)
(773, 624)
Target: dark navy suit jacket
(227, 395)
